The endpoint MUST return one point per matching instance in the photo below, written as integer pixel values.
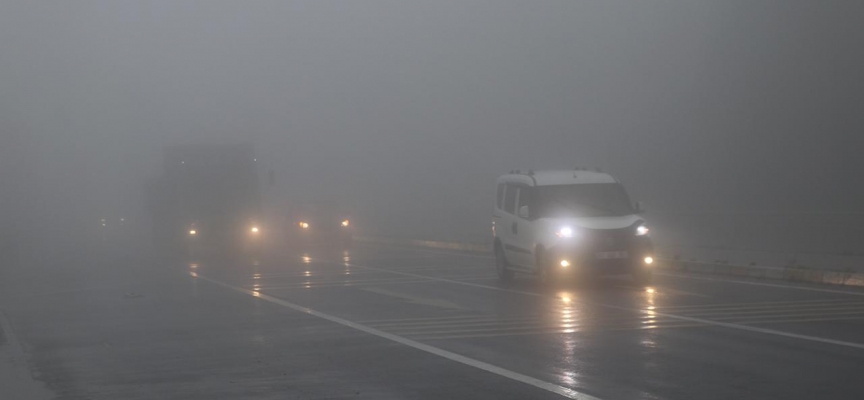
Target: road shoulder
(16, 378)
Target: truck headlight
(564, 232)
(642, 230)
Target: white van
(555, 224)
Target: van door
(507, 227)
(523, 237)
(498, 213)
(514, 229)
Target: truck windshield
(582, 200)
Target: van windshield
(581, 200)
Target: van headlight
(642, 230)
(564, 232)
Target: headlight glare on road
(642, 230)
(564, 232)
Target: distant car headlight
(564, 232)
(345, 223)
(642, 230)
(192, 232)
(254, 229)
(304, 225)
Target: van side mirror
(523, 212)
(638, 207)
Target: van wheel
(502, 267)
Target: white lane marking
(787, 303)
(415, 299)
(777, 285)
(401, 320)
(772, 311)
(756, 329)
(328, 273)
(479, 326)
(668, 290)
(668, 274)
(448, 280)
(456, 321)
(548, 386)
(463, 267)
(649, 312)
(466, 321)
(809, 320)
(759, 318)
(346, 279)
(341, 285)
(557, 331)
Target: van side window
(510, 198)
(499, 200)
(526, 197)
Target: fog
(409, 111)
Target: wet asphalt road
(383, 322)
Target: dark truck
(321, 223)
(207, 199)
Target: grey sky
(410, 106)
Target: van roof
(558, 177)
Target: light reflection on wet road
(181, 335)
(492, 320)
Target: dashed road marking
(777, 285)
(541, 384)
(727, 322)
(771, 310)
(835, 318)
(340, 283)
(555, 331)
(767, 317)
(761, 303)
(730, 325)
(415, 299)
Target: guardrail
(795, 274)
